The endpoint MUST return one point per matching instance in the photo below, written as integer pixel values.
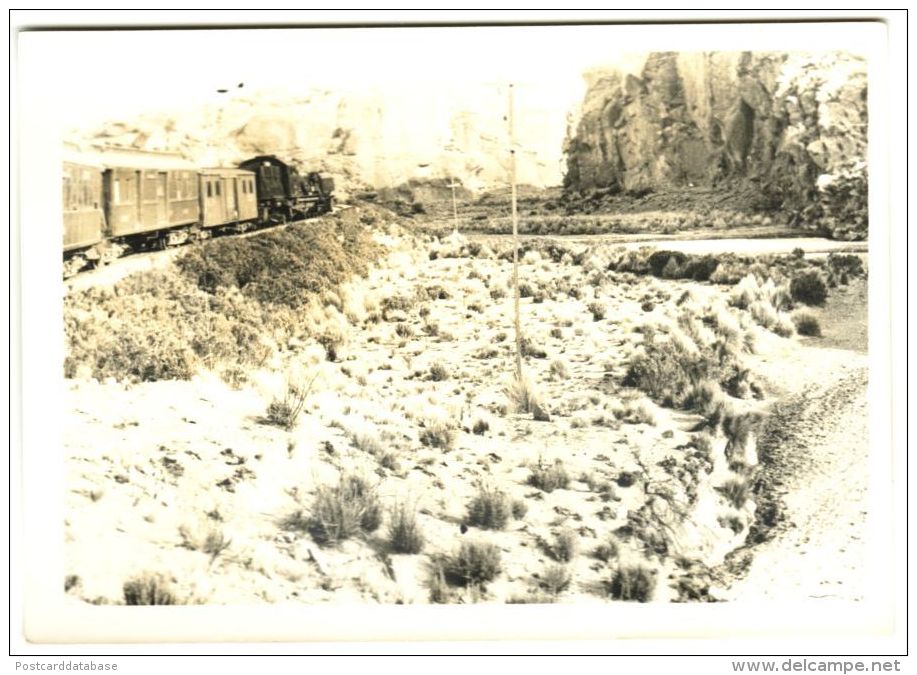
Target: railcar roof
(132, 158)
(226, 171)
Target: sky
(116, 72)
(82, 78)
(101, 74)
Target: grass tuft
(344, 510)
(522, 395)
(556, 579)
(489, 509)
(806, 323)
(436, 434)
(285, 412)
(404, 533)
(634, 583)
(565, 546)
(473, 563)
(149, 589)
(549, 478)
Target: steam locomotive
(119, 201)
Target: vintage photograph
(468, 315)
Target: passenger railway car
(150, 198)
(228, 198)
(84, 220)
(116, 200)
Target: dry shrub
(608, 550)
(284, 267)
(522, 395)
(489, 509)
(368, 443)
(344, 510)
(809, 288)
(559, 370)
(437, 434)
(439, 591)
(765, 315)
(806, 323)
(284, 412)
(556, 579)
(480, 427)
(213, 541)
(215, 306)
(438, 372)
(633, 583)
(404, 533)
(529, 348)
(549, 478)
(636, 412)
(597, 309)
(519, 509)
(149, 589)
(473, 563)
(669, 370)
(565, 546)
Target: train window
(218, 189)
(209, 189)
(116, 191)
(66, 192)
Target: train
(117, 201)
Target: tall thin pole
(512, 175)
(454, 209)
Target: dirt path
(815, 448)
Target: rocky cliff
(794, 125)
(368, 139)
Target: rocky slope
(368, 139)
(794, 125)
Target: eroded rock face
(794, 124)
(370, 138)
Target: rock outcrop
(368, 139)
(794, 125)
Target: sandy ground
(821, 449)
(156, 470)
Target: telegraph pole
(512, 174)
(454, 209)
